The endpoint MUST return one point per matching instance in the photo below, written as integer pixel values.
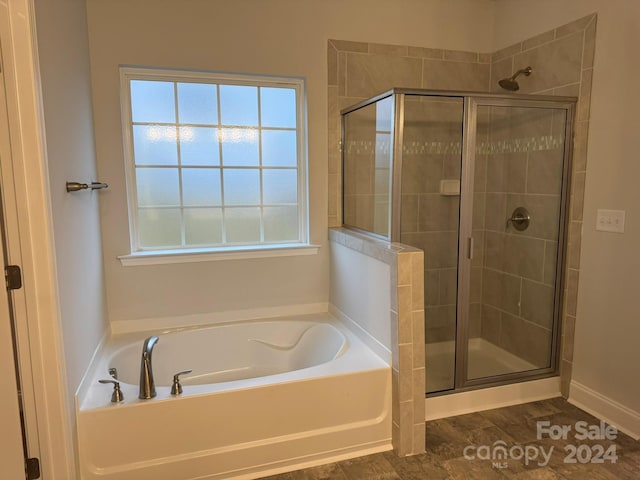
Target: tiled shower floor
(447, 439)
(485, 359)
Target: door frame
(465, 243)
(471, 100)
(29, 224)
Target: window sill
(163, 257)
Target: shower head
(510, 83)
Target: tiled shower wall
(523, 168)
(367, 160)
(358, 71)
(431, 154)
(562, 60)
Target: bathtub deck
(238, 429)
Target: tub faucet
(147, 385)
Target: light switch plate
(610, 221)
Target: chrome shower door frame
(465, 243)
(397, 122)
(471, 102)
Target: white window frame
(145, 256)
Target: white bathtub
(264, 396)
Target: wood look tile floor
(515, 426)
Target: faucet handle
(117, 395)
(176, 388)
(113, 372)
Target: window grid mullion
(205, 125)
(183, 234)
(260, 165)
(223, 219)
(228, 207)
(237, 167)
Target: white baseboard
(620, 416)
(489, 398)
(144, 324)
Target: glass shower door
(430, 215)
(518, 199)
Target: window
(214, 161)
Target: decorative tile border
(524, 144)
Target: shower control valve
(520, 219)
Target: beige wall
(607, 327)
(284, 37)
(64, 67)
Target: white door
(11, 441)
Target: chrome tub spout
(147, 385)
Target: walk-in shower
(480, 183)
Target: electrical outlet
(610, 221)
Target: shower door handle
(470, 248)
